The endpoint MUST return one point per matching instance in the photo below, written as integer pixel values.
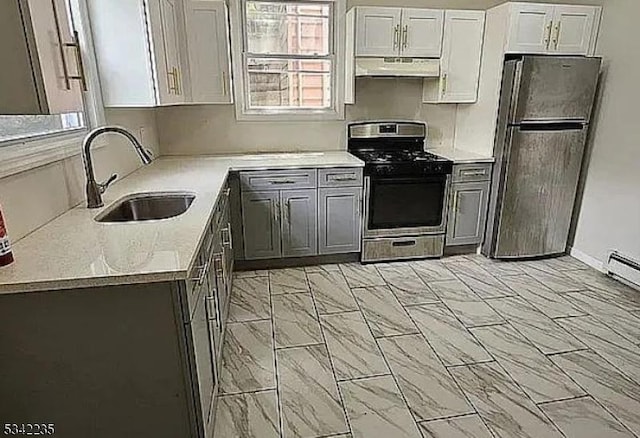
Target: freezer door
(539, 191)
(552, 89)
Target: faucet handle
(103, 186)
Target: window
(289, 60)
(20, 127)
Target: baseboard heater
(624, 268)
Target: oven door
(405, 205)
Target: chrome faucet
(96, 189)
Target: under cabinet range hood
(398, 67)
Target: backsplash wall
(213, 129)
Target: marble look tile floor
(460, 347)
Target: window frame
(26, 153)
(240, 53)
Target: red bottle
(6, 256)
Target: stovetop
(396, 156)
(402, 162)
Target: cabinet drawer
(345, 177)
(279, 180)
(472, 172)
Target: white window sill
(29, 154)
(289, 116)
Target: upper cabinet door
(461, 55)
(378, 31)
(421, 33)
(43, 72)
(164, 21)
(573, 29)
(530, 28)
(208, 48)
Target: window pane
(288, 29)
(289, 83)
(17, 127)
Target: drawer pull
(281, 182)
(346, 178)
(480, 172)
(405, 243)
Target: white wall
(210, 129)
(609, 217)
(31, 199)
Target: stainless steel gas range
(406, 191)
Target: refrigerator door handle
(555, 126)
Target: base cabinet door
(299, 215)
(339, 224)
(204, 354)
(468, 213)
(261, 225)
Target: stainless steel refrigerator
(545, 107)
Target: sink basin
(147, 207)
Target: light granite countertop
(461, 156)
(75, 251)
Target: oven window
(406, 202)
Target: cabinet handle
(177, 77)
(454, 208)
(288, 211)
(547, 38)
(556, 39)
(344, 179)
(445, 79)
(276, 206)
(226, 236)
(75, 44)
(281, 182)
(171, 81)
(473, 172)
(396, 36)
(209, 301)
(224, 83)
(202, 273)
(82, 77)
(405, 37)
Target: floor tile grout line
(454, 380)
(600, 319)
(330, 358)
(275, 362)
(546, 357)
(560, 328)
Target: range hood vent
(398, 67)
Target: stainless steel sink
(147, 207)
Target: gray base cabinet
(300, 212)
(339, 220)
(468, 204)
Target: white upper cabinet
(573, 28)
(552, 29)
(460, 62)
(394, 32)
(421, 33)
(140, 66)
(42, 72)
(208, 48)
(378, 31)
(173, 51)
(530, 28)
